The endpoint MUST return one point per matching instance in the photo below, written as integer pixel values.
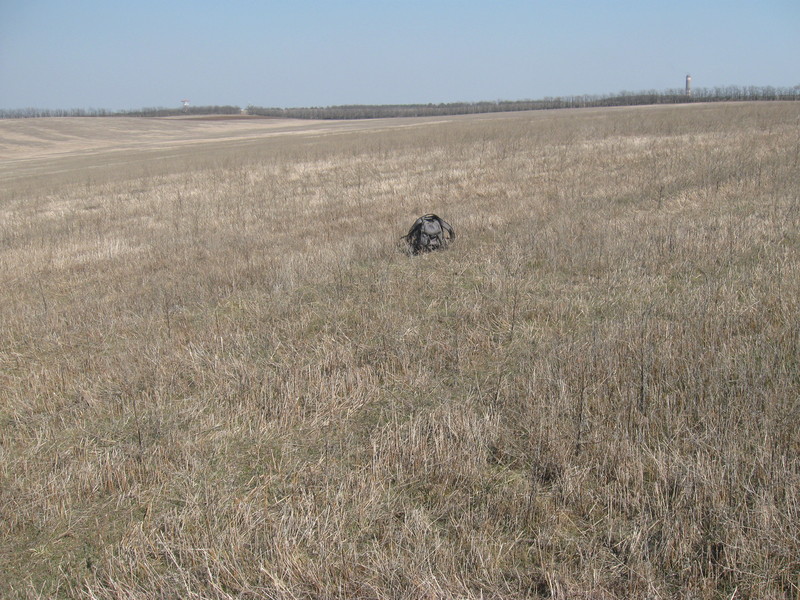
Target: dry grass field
(222, 378)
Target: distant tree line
(30, 113)
(365, 111)
(24, 113)
(625, 98)
(188, 110)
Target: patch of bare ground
(222, 378)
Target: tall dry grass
(222, 378)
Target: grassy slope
(593, 393)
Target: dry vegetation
(221, 378)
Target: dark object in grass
(428, 233)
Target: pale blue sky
(119, 55)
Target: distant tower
(689, 86)
(185, 103)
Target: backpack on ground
(428, 233)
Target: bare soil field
(73, 146)
(221, 375)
